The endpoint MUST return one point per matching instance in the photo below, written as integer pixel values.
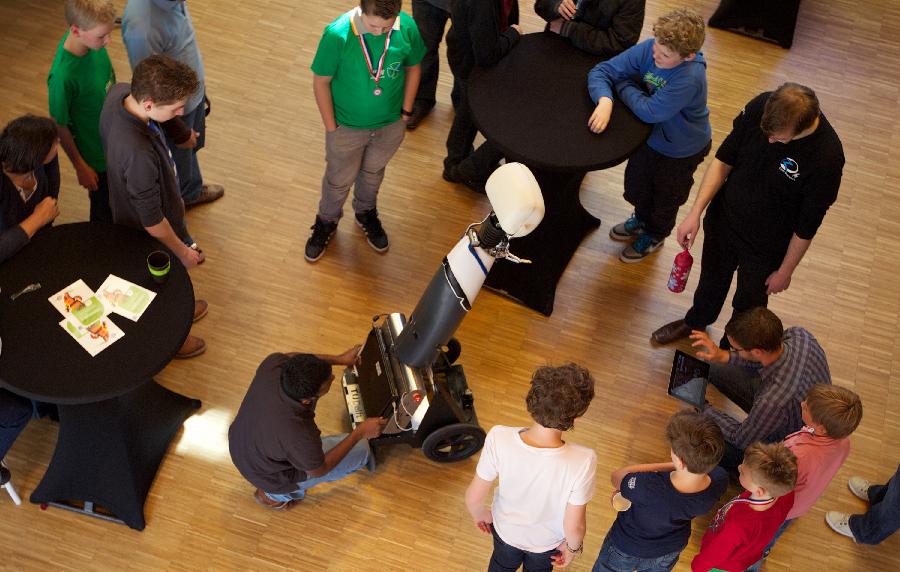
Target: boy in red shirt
(830, 414)
(744, 526)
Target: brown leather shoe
(208, 194)
(671, 332)
(192, 347)
(201, 308)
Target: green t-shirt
(340, 57)
(77, 88)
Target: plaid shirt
(776, 408)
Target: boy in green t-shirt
(366, 74)
(79, 78)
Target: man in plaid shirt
(767, 373)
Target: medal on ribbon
(375, 73)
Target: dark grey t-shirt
(274, 440)
(143, 187)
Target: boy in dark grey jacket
(143, 184)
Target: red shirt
(739, 540)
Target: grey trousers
(356, 157)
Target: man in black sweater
(483, 31)
(602, 27)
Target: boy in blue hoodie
(663, 81)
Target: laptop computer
(688, 379)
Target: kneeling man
(274, 440)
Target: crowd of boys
(134, 148)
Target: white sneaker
(859, 487)
(839, 522)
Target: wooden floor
(265, 144)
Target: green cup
(159, 265)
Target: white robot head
(516, 198)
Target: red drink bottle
(681, 269)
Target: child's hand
(563, 556)
(87, 177)
(483, 520)
(556, 26)
(600, 117)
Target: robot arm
(518, 208)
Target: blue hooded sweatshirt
(674, 100)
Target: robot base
(431, 408)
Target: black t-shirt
(274, 440)
(774, 190)
(659, 520)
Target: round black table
(115, 421)
(534, 107)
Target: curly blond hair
(682, 30)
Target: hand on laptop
(707, 349)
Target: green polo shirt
(340, 57)
(77, 88)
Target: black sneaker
(321, 233)
(375, 235)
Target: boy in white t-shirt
(538, 515)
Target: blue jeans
(506, 558)
(187, 168)
(15, 411)
(353, 461)
(611, 559)
(883, 517)
(768, 548)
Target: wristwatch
(405, 113)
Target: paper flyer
(78, 304)
(96, 337)
(125, 298)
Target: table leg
(549, 247)
(108, 452)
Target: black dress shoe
(418, 114)
(453, 175)
(671, 332)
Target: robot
(407, 372)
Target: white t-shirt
(535, 486)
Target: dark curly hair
(303, 375)
(163, 80)
(25, 143)
(559, 395)
(696, 440)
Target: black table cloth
(771, 20)
(534, 107)
(115, 421)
